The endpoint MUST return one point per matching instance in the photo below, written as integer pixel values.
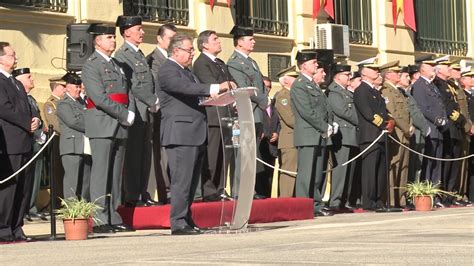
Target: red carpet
(208, 214)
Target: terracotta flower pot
(76, 229)
(423, 203)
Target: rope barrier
(429, 157)
(30, 161)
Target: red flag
(328, 7)
(409, 14)
(211, 2)
(228, 3)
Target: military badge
(284, 102)
(49, 110)
(386, 100)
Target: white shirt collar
(5, 73)
(429, 81)
(133, 46)
(242, 53)
(169, 58)
(163, 51)
(108, 58)
(70, 96)
(308, 77)
(212, 57)
(371, 85)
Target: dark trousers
(470, 175)
(37, 174)
(451, 170)
(263, 183)
(374, 175)
(217, 162)
(431, 169)
(341, 179)
(160, 161)
(15, 194)
(77, 175)
(185, 163)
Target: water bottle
(236, 134)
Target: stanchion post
(52, 200)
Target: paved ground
(444, 237)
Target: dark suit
(214, 171)
(160, 160)
(268, 150)
(183, 134)
(16, 143)
(430, 102)
(369, 102)
(470, 175)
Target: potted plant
(76, 215)
(423, 192)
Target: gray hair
(177, 42)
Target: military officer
(454, 136)
(397, 106)
(139, 146)
(110, 111)
(76, 163)
(344, 142)
(288, 154)
(467, 83)
(373, 118)
(312, 130)
(246, 73)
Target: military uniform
(398, 108)
(139, 146)
(288, 152)
(344, 143)
(76, 164)
(312, 117)
(470, 178)
(106, 123)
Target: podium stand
(246, 153)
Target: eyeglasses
(190, 51)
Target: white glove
(155, 107)
(130, 119)
(429, 132)
(328, 133)
(335, 127)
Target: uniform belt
(116, 97)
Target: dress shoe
(439, 205)
(258, 196)
(410, 206)
(23, 238)
(211, 198)
(6, 239)
(103, 229)
(323, 213)
(150, 202)
(186, 231)
(28, 218)
(122, 228)
(458, 203)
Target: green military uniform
(288, 152)
(344, 142)
(312, 117)
(397, 106)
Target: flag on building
(328, 7)
(407, 8)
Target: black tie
(12, 79)
(189, 74)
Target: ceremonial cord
(30, 161)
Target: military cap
(338, 68)
(57, 79)
(467, 72)
(306, 55)
(412, 69)
(369, 63)
(290, 71)
(444, 60)
(20, 71)
(404, 69)
(128, 21)
(354, 75)
(99, 29)
(425, 59)
(238, 31)
(456, 67)
(72, 78)
(391, 66)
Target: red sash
(116, 97)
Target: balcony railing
(48, 5)
(162, 11)
(264, 16)
(357, 15)
(441, 26)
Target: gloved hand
(335, 127)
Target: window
(357, 14)
(163, 11)
(441, 26)
(264, 16)
(48, 5)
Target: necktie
(269, 111)
(254, 64)
(188, 73)
(12, 79)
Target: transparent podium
(238, 121)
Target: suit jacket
(397, 106)
(342, 104)
(271, 125)
(35, 112)
(102, 78)
(312, 112)
(183, 120)
(455, 127)
(71, 120)
(139, 77)
(155, 60)
(15, 118)
(419, 120)
(470, 104)
(247, 74)
(50, 116)
(461, 99)
(210, 72)
(287, 119)
(369, 103)
(431, 104)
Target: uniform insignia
(386, 100)
(284, 102)
(121, 71)
(350, 105)
(49, 110)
